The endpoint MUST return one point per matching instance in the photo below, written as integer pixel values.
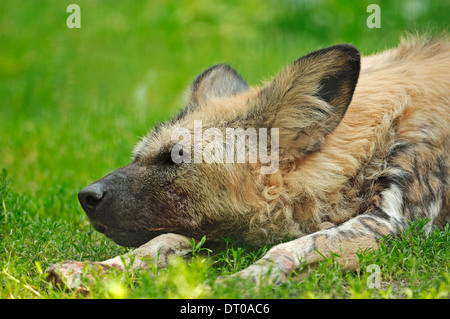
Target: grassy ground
(73, 102)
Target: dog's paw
(263, 274)
(273, 269)
(70, 273)
(256, 275)
(66, 274)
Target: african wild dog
(349, 173)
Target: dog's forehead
(218, 110)
(156, 139)
(214, 113)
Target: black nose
(91, 196)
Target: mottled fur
(349, 174)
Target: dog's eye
(168, 159)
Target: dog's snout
(91, 196)
(115, 205)
(102, 197)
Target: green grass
(74, 102)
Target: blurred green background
(73, 102)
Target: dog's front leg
(156, 252)
(343, 241)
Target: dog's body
(348, 174)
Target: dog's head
(201, 172)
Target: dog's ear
(217, 81)
(308, 99)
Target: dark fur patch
(328, 88)
(332, 87)
(379, 213)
